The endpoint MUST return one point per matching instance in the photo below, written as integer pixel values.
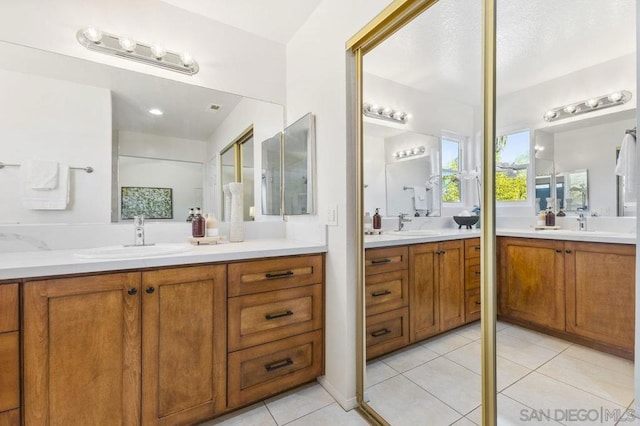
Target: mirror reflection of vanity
(106, 122)
(579, 159)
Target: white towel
(626, 167)
(420, 198)
(42, 175)
(53, 199)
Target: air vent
(214, 107)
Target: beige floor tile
(403, 403)
(471, 331)
(331, 415)
(609, 384)
(540, 339)
(501, 325)
(409, 358)
(602, 359)
(298, 402)
(512, 413)
(451, 383)
(446, 343)
(522, 352)
(469, 356)
(563, 402)
(464, 422)
(378, 371)
(254, 415)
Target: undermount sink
(126, 252)
(414, 233)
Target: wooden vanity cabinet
(436, 282)
(532, 281)
(600, 292)
(472, 279)
(125, 348)
(9, 356)
(275, 326)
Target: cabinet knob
(478, 303)
(132, 291)
(558, 251)
(150, 290)
(567, 251)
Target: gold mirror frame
(390, 20)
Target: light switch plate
(332, 215)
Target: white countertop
(395, 239)
(30, 264)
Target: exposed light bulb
(550, 115)
(186, 59)
(591, 103)
(158, 51)
(387, 111)
(538, 148)
(127, 44)
(615, 97)
(416, 151)
(570, 109)
(375, 108)
(92, 34)
(155, 111)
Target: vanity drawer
(274, 274)
(472, 273)
(9, 371)
(472, 248)
(8, 308)
(10, 418)
(264, 370)
(260, 318)
(385, 292)
(387, 332)
(386, 259)
(472, 305)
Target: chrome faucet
(402, 218)
(138, 224)
(582, 220)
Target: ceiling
(275, 20)
(441, 50)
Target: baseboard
(346, 403)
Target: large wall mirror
(421, 359)
(135, 130)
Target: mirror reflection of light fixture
(588, 105)
(125, 47)
(384, 113)
(409, 152)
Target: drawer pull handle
(278, 364)
(558, 251)
(478, 303)
(567, 251)
(477, 272)
(380, 332)
(380, 261)
(271, 276)
(132, 291)
(477, 248)
(381, 293)
(280, 315)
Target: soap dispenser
(377, 220)
(198, 225)
(550, 218)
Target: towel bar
(87, 169)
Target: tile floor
(438, 383)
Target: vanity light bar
(124, 47)
(404, 153)
(588, 105)
(384, 113)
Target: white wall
(267, 120)
(316, 82)
(45, 119)
(375, 191)
(230, 59)
(146, 145)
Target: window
(450, 171)
(512, 166)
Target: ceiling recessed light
(155, 111)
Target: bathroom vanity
(174, 339)
(579, 286)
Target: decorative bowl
(467, 221)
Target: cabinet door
(600, 282)
(184, 344)
(423, 291)
(451, 284)
(82, 351)
(531, 286)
